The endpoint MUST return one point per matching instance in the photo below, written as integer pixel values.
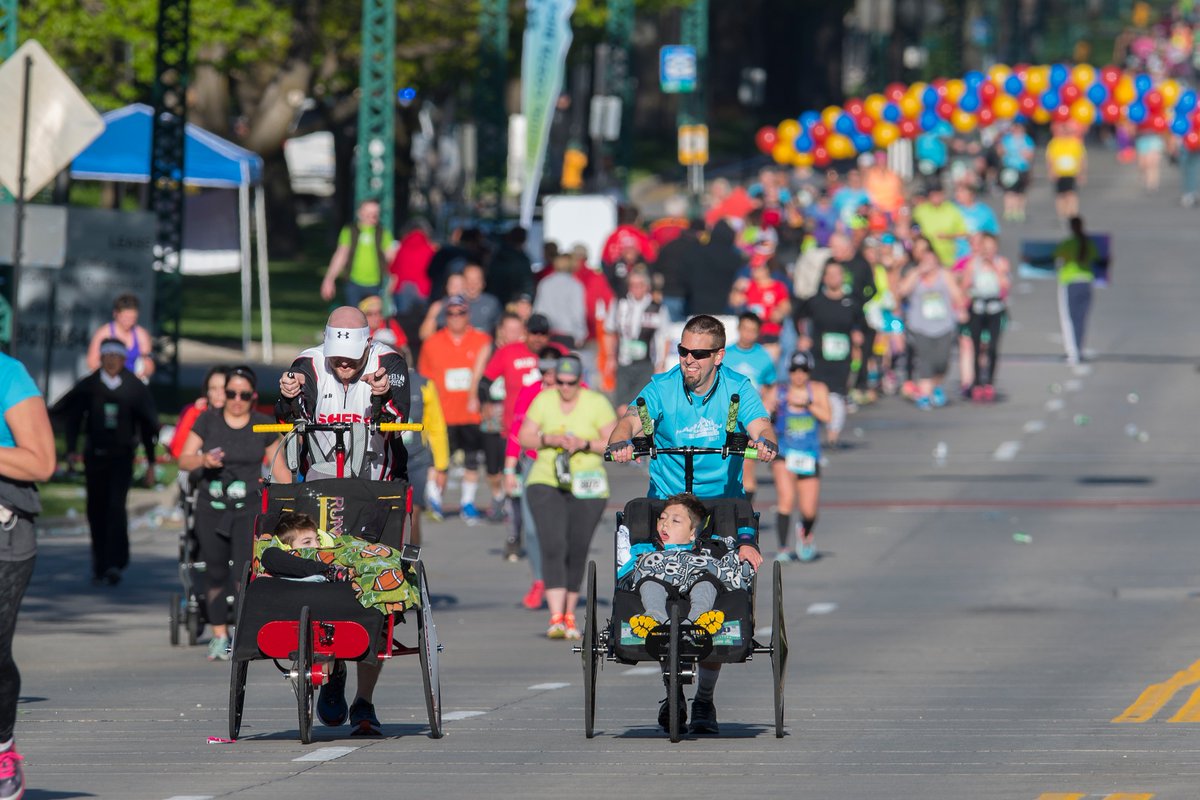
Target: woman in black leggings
(26, 456)
(985, 280)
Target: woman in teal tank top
(803, 407)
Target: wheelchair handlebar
(382, 427)
(654, 452)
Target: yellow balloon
(873, 105)
(1083, 112)
(1170, 92)
(787, 131)
(830, 116)
(802, 160)
(1037, 80)
(1083, 76)
(916, 90)
(963, 121)
(839, 146)
(910, 106)
(1005, 106)
(885, 133)
(1041, 116)
(783, 152)
(955, 89)
(1124, 93)
(999, 73)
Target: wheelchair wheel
(673, 683)
(303, 671)
(779, 646)
(174, 604)
(590, 652)
(427, 632)
(238, 670)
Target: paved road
(935, 654)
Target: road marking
(1054, 404)
(1129, 796)
(326, 754)
(821, 608)
(1007, 451)
(1073, 385)
(1035, 426)
(1190, 711)
(1061, 796)
(1157, 695)
(454, 716)
(643, 671)
(546, 687)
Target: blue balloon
(1097, 93)
(1013, 85)
(929, 121)
(891, 112)
(862, 142)
(1180, 126)
(1142, 83)
(1050, 100)
(1058, 75)
(809, 118)
(844, 125)
(930, 97)
(973, 79)
(1137, 112)
(969, 102)
(804, 143)
(1187, 102)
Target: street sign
(693, 145)
(677, 68)
(61, 120)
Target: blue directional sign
(677, 68)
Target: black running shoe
(704, 717)
(664, 713)
(331, 702)
(363, 721)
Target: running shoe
(938, 397)
(786, 556)
(965, 392)
(704, 717)
(989, 394)
(434, 510)
(571, 632)
(363, 721)
(923, 403)
(977, 394)
(12, 777)
(498, 513)
(807, 553)
(909, 389)
(218, 649)
(557, 629)
(470, 513)
(331, 702)
(664, 712)
(533, 598)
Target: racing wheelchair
(680, 649)
(304, 627)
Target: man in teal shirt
(368, 257)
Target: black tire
(590, 652)
(304, 685)
(429, 650)
(173, 610)
(673, 686)
(779, 646)
(237, 695)
(195, 626)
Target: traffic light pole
(693, 106)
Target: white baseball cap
(346, 342)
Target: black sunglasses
(699, 355)
(230, 394)
(567, 383)
(459, 313)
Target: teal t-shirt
(15, 387)
(755, 364)
(681, 419)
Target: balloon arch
(1049, 93)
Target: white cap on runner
(346, 342)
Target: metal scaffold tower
(375, 176)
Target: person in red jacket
(214, 397)
(628, 234)
(409, 269)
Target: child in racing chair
(675, 559)
(375, 571)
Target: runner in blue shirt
(689, 405)
(749, 358)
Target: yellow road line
(1189, 711)
(1061, 796)
(1158, 695)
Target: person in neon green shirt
(941, 223)
(1075, 259)
(368, 257)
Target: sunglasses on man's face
(698, 354)
(459, 313)
(567, 383)
(230, 394)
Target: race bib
(987, 283)
(1066, 164)
(933, 306)
(633, 350)
(801, 462)
(531, 377)
(835, 346)
(111, 415)
(589, 484)
(458, 380)
(1009, 177)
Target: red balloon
(988, 92)
(894, 92)
(865, 123)
(1110, 112)
(1028, 104)
(820, 156)
(765, 139)
(944, 109)
(1110, 76)
(854, 107)
(909, 128)
(819, 132)
(1191, 140)
(1153, 100)
(986, 116)
(1069, 93)
(939, 85)
(1062, 114)
(1158, 123)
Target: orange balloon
(1005, 106)
(873, 106)
(783, 152)
(1083, 112)
(885, 133)
(787, 131)
(963, 121)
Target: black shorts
(493, 453)
(1014, 181)
(469, 439)
(1065, 184)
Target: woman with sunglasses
(567, 485)
(228, 457)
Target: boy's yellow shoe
(711, 621)
(642, 624)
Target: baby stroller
(186, 609)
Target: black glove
(736, 442)
(335, 574)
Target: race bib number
(801, 462)
(458, 380)
(589, 484)
(933, 306)
(111, 416)
(835, 346)
(633, 350)
(531, 377)
(1009, 177)
(1066, 164)
(987, 283)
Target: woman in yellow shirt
(1066, 161)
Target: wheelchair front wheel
(590, 653)
(429, 650)
(673, 677)
(174, 604)
(303, 675)
(779, 646)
